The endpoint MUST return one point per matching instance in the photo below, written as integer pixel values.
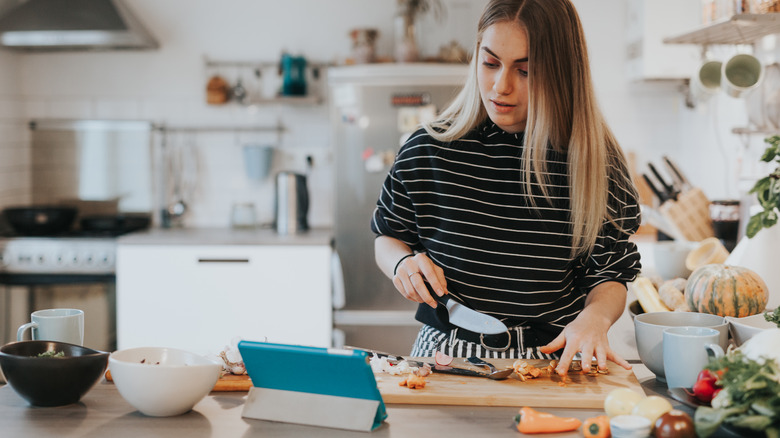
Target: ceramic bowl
(742, 329)
(51, 381)
(669, 258)
(162, 382)
(649, 332)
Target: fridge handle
(337, 279)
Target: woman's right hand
(411, 275)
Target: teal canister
(293, 75)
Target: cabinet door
(199, 298)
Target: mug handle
(714, 351)
(23, 328)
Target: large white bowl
(745, 328)
(162, 382)
(649, 331)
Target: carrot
(596, 427)
(533, 421)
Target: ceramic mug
(687, 350)
(740, 74)
(63, 325)
(706, 81)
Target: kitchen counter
(225, 236)
(103, 412)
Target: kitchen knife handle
(671, 193)
(655, 190)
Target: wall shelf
(755, 131)
(739, 29)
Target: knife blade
(470, 319)
(676, 173)
(446, 369)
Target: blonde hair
(562, 113)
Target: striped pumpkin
(726, 291)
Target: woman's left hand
(588, 332)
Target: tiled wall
(14, 136)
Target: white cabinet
(199, 297)
(649, 21)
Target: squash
(726, 291)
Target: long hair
(562, 112)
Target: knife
(470, 319)
(669, 189)
(661, 195)
(676, 173)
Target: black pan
(115, 223)
(40, 220)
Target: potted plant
(767, 190)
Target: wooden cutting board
(580, 391)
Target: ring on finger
(416, 272)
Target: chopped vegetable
(532, 421)
(596, 427)
(413, 382)
(442, 358)
(52, 353)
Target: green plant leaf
(754, 225)
(761, 185)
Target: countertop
(226, 236)
(103, 412)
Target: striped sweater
(465, 204)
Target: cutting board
(580, 390)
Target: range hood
(54, 25)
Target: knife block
(690, 214)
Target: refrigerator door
(373, 108)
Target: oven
(104, 169)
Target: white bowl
(162, 382)
(745, 328)
(649, 332)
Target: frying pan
(115, 223)
(40, 220)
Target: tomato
(675, 424)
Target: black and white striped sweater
(464, 203)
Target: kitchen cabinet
(648, 58)
(199, 297)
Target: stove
(58, 255)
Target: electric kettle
(292, 203)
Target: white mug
(706, 81)
(63, 325)
(687, 351)
(740, 74)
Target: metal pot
(40, 220)
(292, 203)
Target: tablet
(315, 379)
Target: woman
(517, 201)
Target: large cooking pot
(40, 220)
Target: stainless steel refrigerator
(373, 108)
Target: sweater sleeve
(614, 257)
(394, 215)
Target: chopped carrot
(533, 421)
(413, 382)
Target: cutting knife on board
(467, 318)
(394, 359)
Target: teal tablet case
(316, 379)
